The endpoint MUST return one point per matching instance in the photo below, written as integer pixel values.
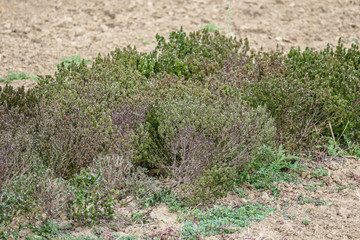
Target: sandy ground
(34, 34)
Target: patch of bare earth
(35, 34)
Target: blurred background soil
(34, 34)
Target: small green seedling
(340, 188)
(138, 217)
(290, 217)
(75, 59)
(18, 76)
(240, 192)
(319, 172)
(305, 222)
(212, 28)
(306, 200)
(143, 41)
(353, 40)
(310, 186)
(128, 237)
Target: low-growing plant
(334, 149)
(319, 172)
(128, 237)
(211, 28)
(149, 193)
(269, 166)
(215, 183)
(353, 41)
(46, 230)
(90, 201)
(157, 197)
(344, 147)
(18, 76)
(317, 202)
(68, 236)
(339, 188)
(310, 186)
(290, 217)
(305, 222)
(139, 217)
(222, 220)
(146, 42)
(351, 147)
(240, 192)
(67, 61)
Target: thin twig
(332, 134)
(343, 130)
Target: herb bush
(189, 131)
(309, 90)
(88, 112)
(197, 109)
(193, 57)
(17, 108)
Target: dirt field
(34, 34)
